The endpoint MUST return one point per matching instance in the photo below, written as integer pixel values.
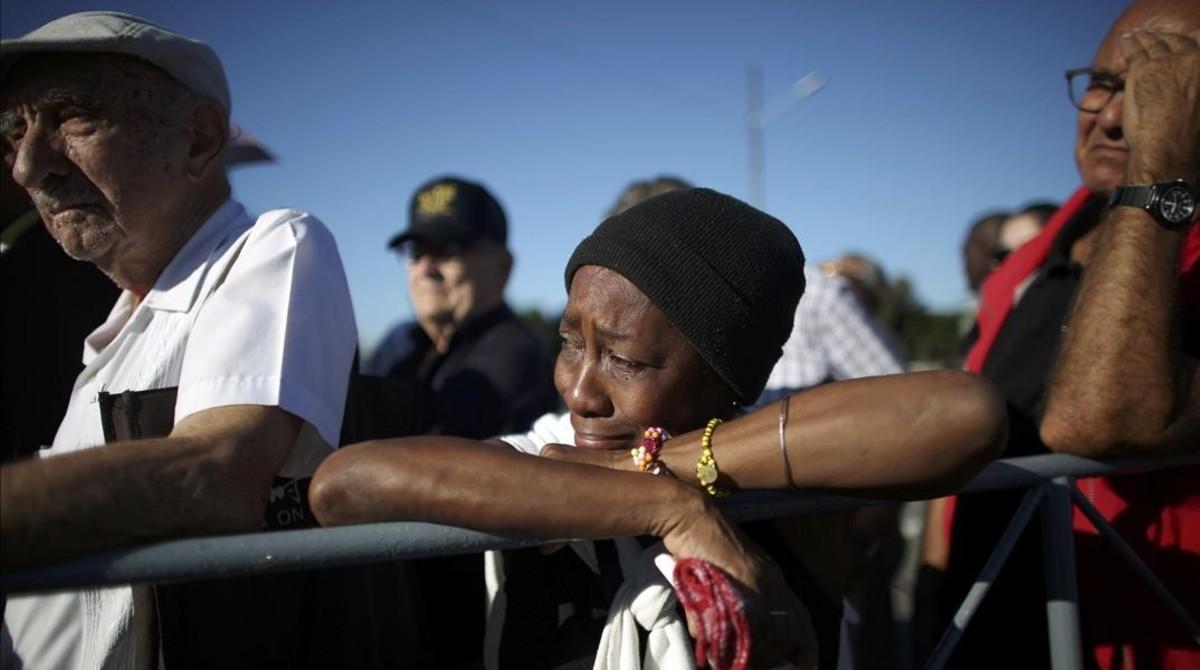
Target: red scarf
(718, 606)
(1158, 513)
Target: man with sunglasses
(483, 372)
(1092, 331)
(486, 373)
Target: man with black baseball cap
(449, 209)
(483, 372)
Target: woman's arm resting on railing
(919, 434)
(491, 487)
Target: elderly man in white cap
(116, 127)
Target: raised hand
(1161, 109)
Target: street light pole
(755, 132)
(760, 113)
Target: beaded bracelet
(707, 471)
(645, 457)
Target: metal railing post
(1062, 590)
(979, 589)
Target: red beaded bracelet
(645, 457)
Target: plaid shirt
(833, 339)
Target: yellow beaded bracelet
(707, 472)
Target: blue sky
(933, 112)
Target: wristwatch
(1172, 204)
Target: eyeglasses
(414, 250)
(1091, 91)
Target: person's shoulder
(295, 249)
(398, 343)
(302, 227)
(288, 216)
(511, 333)
(403, 329)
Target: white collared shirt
(247, 313)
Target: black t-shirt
(557, 607)
(494, 379)
(1021, 358)
(1009, 628)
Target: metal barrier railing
(1049, 479)
(1052, 499)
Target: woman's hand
(782, 630)
(781, 627)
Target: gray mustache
(58, 193)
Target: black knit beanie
(725, 274)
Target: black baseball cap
(450, 209)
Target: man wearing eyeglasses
(484, 372)
(1098, 357)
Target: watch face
(1177, 205)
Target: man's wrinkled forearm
(58, 507)
(1115, 386)
(211, 476)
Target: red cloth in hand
(718, 605)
